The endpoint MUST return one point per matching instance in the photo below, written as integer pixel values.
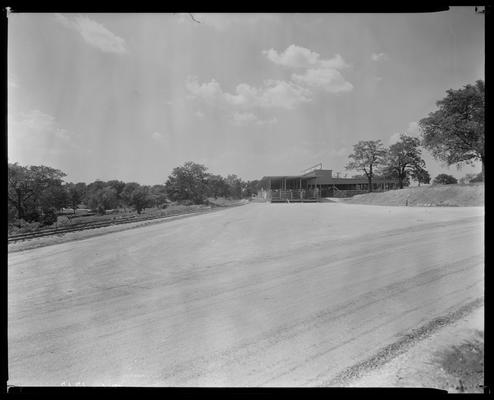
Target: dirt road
(258, 295)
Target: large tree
(188, 183)
(421, 175)
(158, 195)
(75, 193)
(367, 156)
(455, 132)
(404, 160)
(26, 186)
(137, 196)
(102, 199)
(217, 186)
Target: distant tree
(252, 187)
(137, 196)
(235, 185)
(102, 199)
(127, 193)
(27, 184)
(75, 194)
(404, 160)
(420, 175)
(158, 195)
(468, 178)
(217, 186)
(118, 186)
(444, 179)
(188, 182)
(367, 157)
(455, 133)
(54, 197)
(478, 178)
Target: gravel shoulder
(452, 359)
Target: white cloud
(413, 129)
(247, 118)
(319, 73)
(378, 57)
(328, 79)
(243, 118)
(34, 135)
(300, 57)
(273, 94)
(199, 114)
(394, 138)
(94, 33)
(159, 137)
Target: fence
(295, 195)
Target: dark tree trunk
(369, 179)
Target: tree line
(38, 193)
(454, 134)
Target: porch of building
(292, 189)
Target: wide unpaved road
(263, 294)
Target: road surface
(258, 295)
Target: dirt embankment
(471, 195)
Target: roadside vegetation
(38, 197)
(437, 195)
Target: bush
(32, 216)
(24, 227)
(444, 179)
(49, 217)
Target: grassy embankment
(470, 195)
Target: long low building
(317, 184)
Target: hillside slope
(426, 196)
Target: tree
(468, 178)
(158, 195)
(478, 178)
(420, 175)
(127, 192)
(367, 156)
(118, 186)
(75, 193)
(252, 187)
(54, 197)
(455, 132)
(404, 160)
(235, 185)
(444, 179)
(27, 184)
(102, 199)
(188, 182)
(137, 196)
(217, 186)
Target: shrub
(444, 179)
(49, 217)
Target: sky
(132, 96)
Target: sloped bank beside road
(471, 195)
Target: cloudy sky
(131, 96)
